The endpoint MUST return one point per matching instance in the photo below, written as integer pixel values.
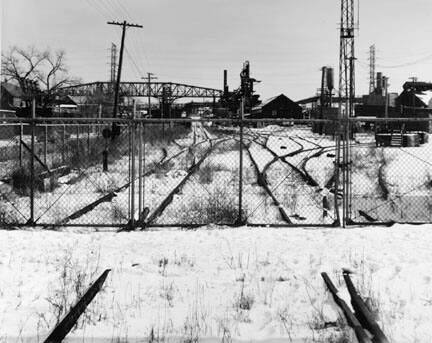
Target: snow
(173, 280)
(201, 280)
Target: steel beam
(142, 89)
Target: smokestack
(323, 83)
(225, 84)
(379, 86)
(330, 79)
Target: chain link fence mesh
(391, 177)
(290, 168)
(197, 172)
(197, 181)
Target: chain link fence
(140, 173)
(391, 172)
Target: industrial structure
(165, 92)
(230, 101)
(277, 107)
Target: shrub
(7, 215)
(21, 180)
(105, 185)
(157, 134)
(74, 279)
(119, 215)
(215, 208)
(206, 172)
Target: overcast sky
(192, 41)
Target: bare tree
(22, 65)
(54, 73)
(46, 67)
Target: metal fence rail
(137, 173)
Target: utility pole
(124, 25)
(149, 78)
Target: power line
(423, 59)
(93, 5)
(136, 47)
(137, 68)
(111, 12)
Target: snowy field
(215, 284)
(221, 284)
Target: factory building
(374, 104)
(279, 106)
(415, 101)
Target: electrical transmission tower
(371, 69)
(346, 107)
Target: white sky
(192, 41)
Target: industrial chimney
(330, 79)
(379, 86)
(225, 84)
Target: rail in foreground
(69, 320)
(361, 321)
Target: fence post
(132, 166)
(64, 144)
(46, 144)
(143, 165)
(88, 139)
(77, 137)
(140, 171)
(338, 130)
(240, 208)
(20, 146)
(32, 171)
(99, 116)
(348, 170)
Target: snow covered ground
(217, 284)
(257, 284)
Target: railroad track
(112, 194)
(301, 172)
(299, 169)
(361, 320)
(201, 133)
(159, 209)
(262, 181)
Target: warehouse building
(280, 107)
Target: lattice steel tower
(346, 105)
(346, 58)
(371, 69)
